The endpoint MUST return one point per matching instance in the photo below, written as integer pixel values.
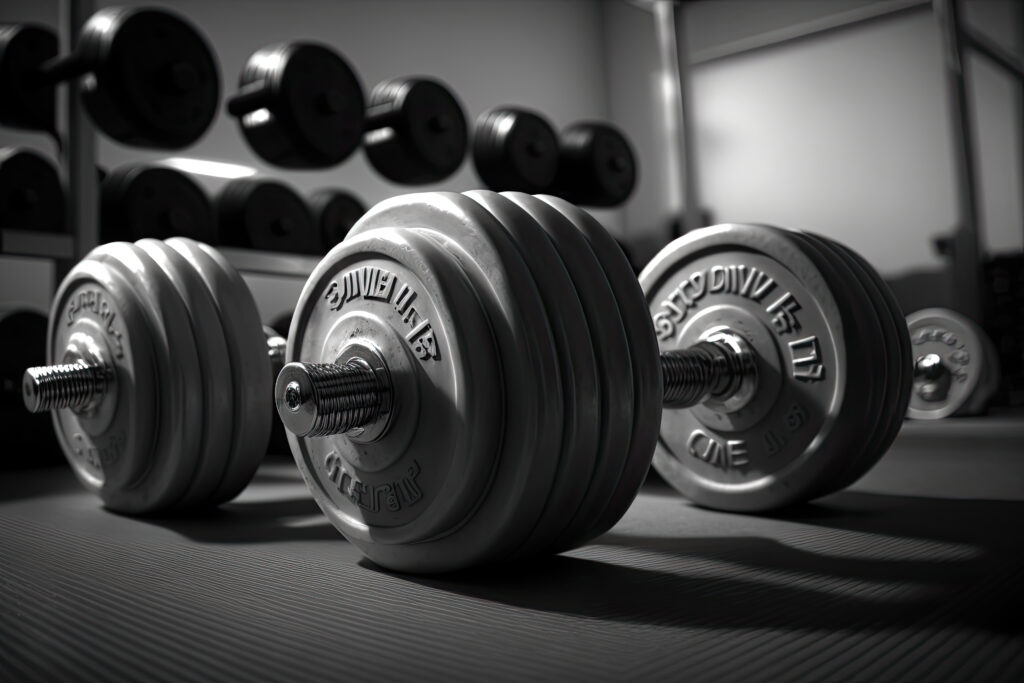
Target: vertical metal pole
(675, 64)
(966, 256)
(80, 160)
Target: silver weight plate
(564, 318)
(97, 309)
(955, 342)
(399, 496)
(175, 450)
(613, 394)
(501, 282)
(760, 284)
(643, 356)
(214, 391)
(250, 364)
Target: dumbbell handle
(321, 399)
(80, 384)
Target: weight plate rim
(845, 272)
(215, 372)
(603, 328)
(557, 298)
(250, 364)
(643, 353)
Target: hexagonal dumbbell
(301, 105)
(159, 377)
(476, 377)
(956, 365)
(152, 79)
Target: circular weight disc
(23, 48)
(31, 194)
(516, 150)
(956, 340)
(522, 479)
(897, 355)
(569, 414)
(313, 113)
(603, 383)
(879, 355)
(175, 449)
(415, 131)
(761, 284)
(213, 393)
(140, 201)
(596, 165)
(109, 448)
(643, 359)
(334, 212)
(155, 80)
(250, 364)
(423, 476)
(257, 213)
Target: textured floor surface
(916, 573)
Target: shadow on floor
(926, 561)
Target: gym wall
(844, 133)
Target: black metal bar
(80, 162)
(966, 260)
(994, 52)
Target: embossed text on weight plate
(377, 284)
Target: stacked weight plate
(183, 423)
(526, 381)
(832, 357)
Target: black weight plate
(22, 50)
(29, 440)
(265, 214)
(596, 165)
(898, 356)
(31, 194)
(307, 105)
(155, 81)
(515, 150)
(138, 201)
(334, 212)
(879, 349)
(415, 131)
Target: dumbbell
(159, 376)
(956, 365)
(517, 149)
(262, 213)
(301, 105)
(151, 78)
(31, 193)
(146, 200)
(334, 213)
(480, 377)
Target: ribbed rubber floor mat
(881, 582)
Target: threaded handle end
(321, 399)
(73, 385)
(690, 375)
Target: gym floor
(915, 573)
